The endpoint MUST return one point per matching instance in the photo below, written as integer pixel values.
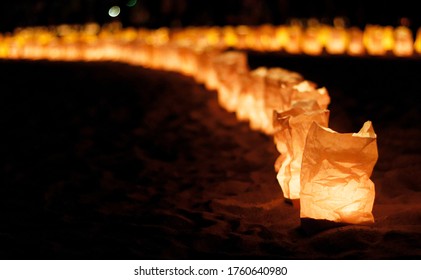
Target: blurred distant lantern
(256, 83)
(337, 40)
(207, 73)
(417, 44)
(404, 42)
(229, 67)
(230, 36)
(335, 175)
(243, 32)
(293, 41)
(290, 132)
(388, 38)
(281, 36)
(355, 44)
(265, 38)
(374, 40)
(310, 43)
(251, 105)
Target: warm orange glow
(337, 41)
(293, 41)
(290, 132)
(356, 44)
(257, 82)
(315, 163)
(92, 42)
(278, 93)
(404, 43)
(229, 67)
(374, 40)
(335, 175)
(417, 44)
(311, 44)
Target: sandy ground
(110, 161)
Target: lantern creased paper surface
(306, 90)
(335, 175)
(291, 129)
(229, 67)
(278, 93)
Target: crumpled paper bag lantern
(294, 35)
(257, 87)
(417, 43)
(335, 175)
(290, 132)
(307, 91)
(250, 100)
(355, 45)
(337, 40)
(229, 67)
(375, 40)
(404, 42)
(278, 93)
(311, 44)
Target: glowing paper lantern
(337, 41)
(229, 67)
(355, 45)
(417, 44)
(207, 73)
(257, 114)
(293, 42)
(374, 40)
(404, 43)
(278, 93)
(290, 132)
(246, 105)
(388, 38)
(335, 175)
(306, 91)
(310, 43)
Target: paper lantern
(417, 44)
(293, 42)
(257, 84)
(337, 41)
(310, 43)
(246, 104)
(306, 91)
(290, 132)
(278, 93)
(404, 42)
(355, 44)
(207, 73)
(229, 67)
(265, 38)
(335, 175)
(388, 40)
(281, 36)
(374, 40)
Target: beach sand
(104, 160)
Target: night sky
(156, 13)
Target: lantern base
(314, 226)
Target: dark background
(156, 13)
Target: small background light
(114, 11)
(131, 3)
